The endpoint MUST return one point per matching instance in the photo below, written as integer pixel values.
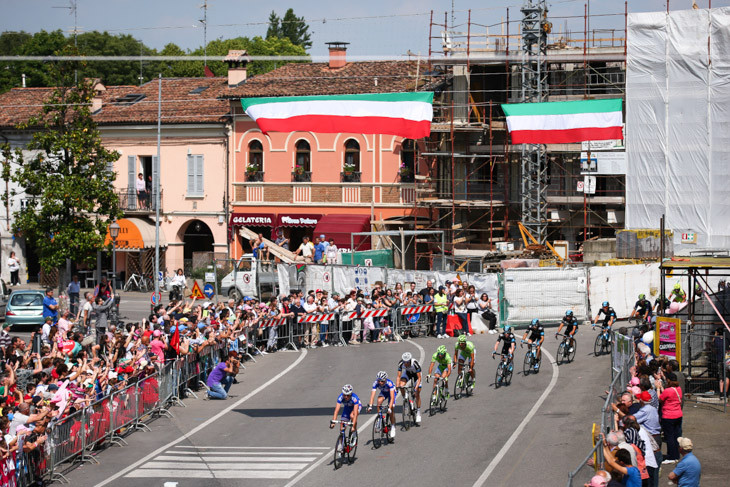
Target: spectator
(221, 378)
(688, 471)
(319, 250)
(73, 290)
(331, 254)
(14, 268)
(141, 188)
(622, 464)
(5, 337)
(305, 251)
(103, 289)
(441, 303)
(636, 435)
(281, 241)
(50, 305)
(671, 400)
(484, 306)
(101, 308)
(460, 310)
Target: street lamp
(114, 233)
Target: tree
(290, 27)
(68, 179)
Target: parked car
(25, 308)
(4, 292)
(243, 280)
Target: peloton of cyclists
(387, 391)
(410, 369)
(536, 334)
(465, 353)
(508, 344)
(571, 327)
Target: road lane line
(223, 466)
(257, 448)
(505, 448)
(206, 423)
(243, 458)
(360, 430)
(214, 474)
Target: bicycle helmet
(462, 339)
(441, 350)
(642, 296)
(347, 389)
(677, 287)
(605, 304)
(507, 329)
(382, 375)
(535, 322)
(569, 312)
(407, 357)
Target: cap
(598, 481)
(52, 387)
(201, 326)
(156, 333)
(685, 443)
(645, 396)
(448, 282)
(7, 325)
(206, 304)
(183, 320)
(318, 291)
(321, 236)
(635, 381)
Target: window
(352, 156)
(195, 175)
(256, 155)
(304, 157)
(407, 161)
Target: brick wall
(240, 193)
(278, 193)
(391, 194)
(327, 194)
(366, 194)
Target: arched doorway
(197, 239)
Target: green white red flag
(407, 115)
(564, 122)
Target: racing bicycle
(504, 371)
(346, 444)
(381, 426)
(566, 353)
(603, 342)
(140, 283)
(438, 396)
(532, 361)
(464, 383)
(409, 407)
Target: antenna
(73, 10)
(204, 21)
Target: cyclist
(464, 352)
(609, 316)
(443, 359)
(410, 369)
(351, 406)
(642, 308)
(537, 336)
(508, 345)
(387, 391)
(571, 328)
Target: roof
(697, 262)
(302, 79)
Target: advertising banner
(668, 338)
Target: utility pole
(534, 89)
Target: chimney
(338, 57)
(237, 59)
(96, 104)
(99, 90)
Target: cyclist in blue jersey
(350, 405)
(387, 391)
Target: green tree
(68, 180)
(290, 27)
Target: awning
(289, 220)
(340, 227)
(252, 220)
(136, 234)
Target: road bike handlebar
(335, 421)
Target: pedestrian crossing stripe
(229, 462)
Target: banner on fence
(621, 285)
(668, 337)
(622, 351)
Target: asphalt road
(274, 430)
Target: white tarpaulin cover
(621, 285)
(678, 124)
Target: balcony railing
(301, 177)
(254, 177)
(130, 202)
(350, 176)
(407, 178)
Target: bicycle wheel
(559, 356)
(406, 414)
(607, 344)
(458, 384)
(352, 447)
(385, 433)
(498, 377)
(377, 429)
(598, 346)
(127, 285)
(508, 375)
(434, 402)
(339, 452)
(571, 351)
(527, 364)
(469, 385)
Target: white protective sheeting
(621, 285)
(677, 121)
(545, 293)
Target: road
(274, 430)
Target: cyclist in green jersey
(443, 359)
(465, 352)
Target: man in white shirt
(305, 251)
(310, 329)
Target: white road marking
(360, 430)
(204, 425)
(505, 448)
(242, 458)
(215, 474)
(154, 464)
(204, 450)
(277, 448)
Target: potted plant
(298, 170)
(348, 168)
(252, 169)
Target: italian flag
(407, 115)
(563, 122)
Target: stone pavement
(708, 427)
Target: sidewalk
(708, 427)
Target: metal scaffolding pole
(534, 81)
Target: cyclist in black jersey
(571, 327)
(642, 308)
(410, 369)
(609, 316)
(508, 344)
(537, 335)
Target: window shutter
(131, 181)
(191, 175)
(199, 175)
(155, 178)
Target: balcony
(407, 178)
(301, 177)
(130, 203)
(350, 176)
(254, 176)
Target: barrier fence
(109, 419)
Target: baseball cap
(156, 333)
(448, 282)
(52, 387)
(635, 381)
(206, 304)
(645, 396)
(598, 481)
(685, 443)
(321, 236)
(201, 326)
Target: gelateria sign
(252, 219)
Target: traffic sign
(210, 277)
(160, 276)
(247, 278)
(208, 290)
(196, 292)
(326, 276)
(155, 298)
